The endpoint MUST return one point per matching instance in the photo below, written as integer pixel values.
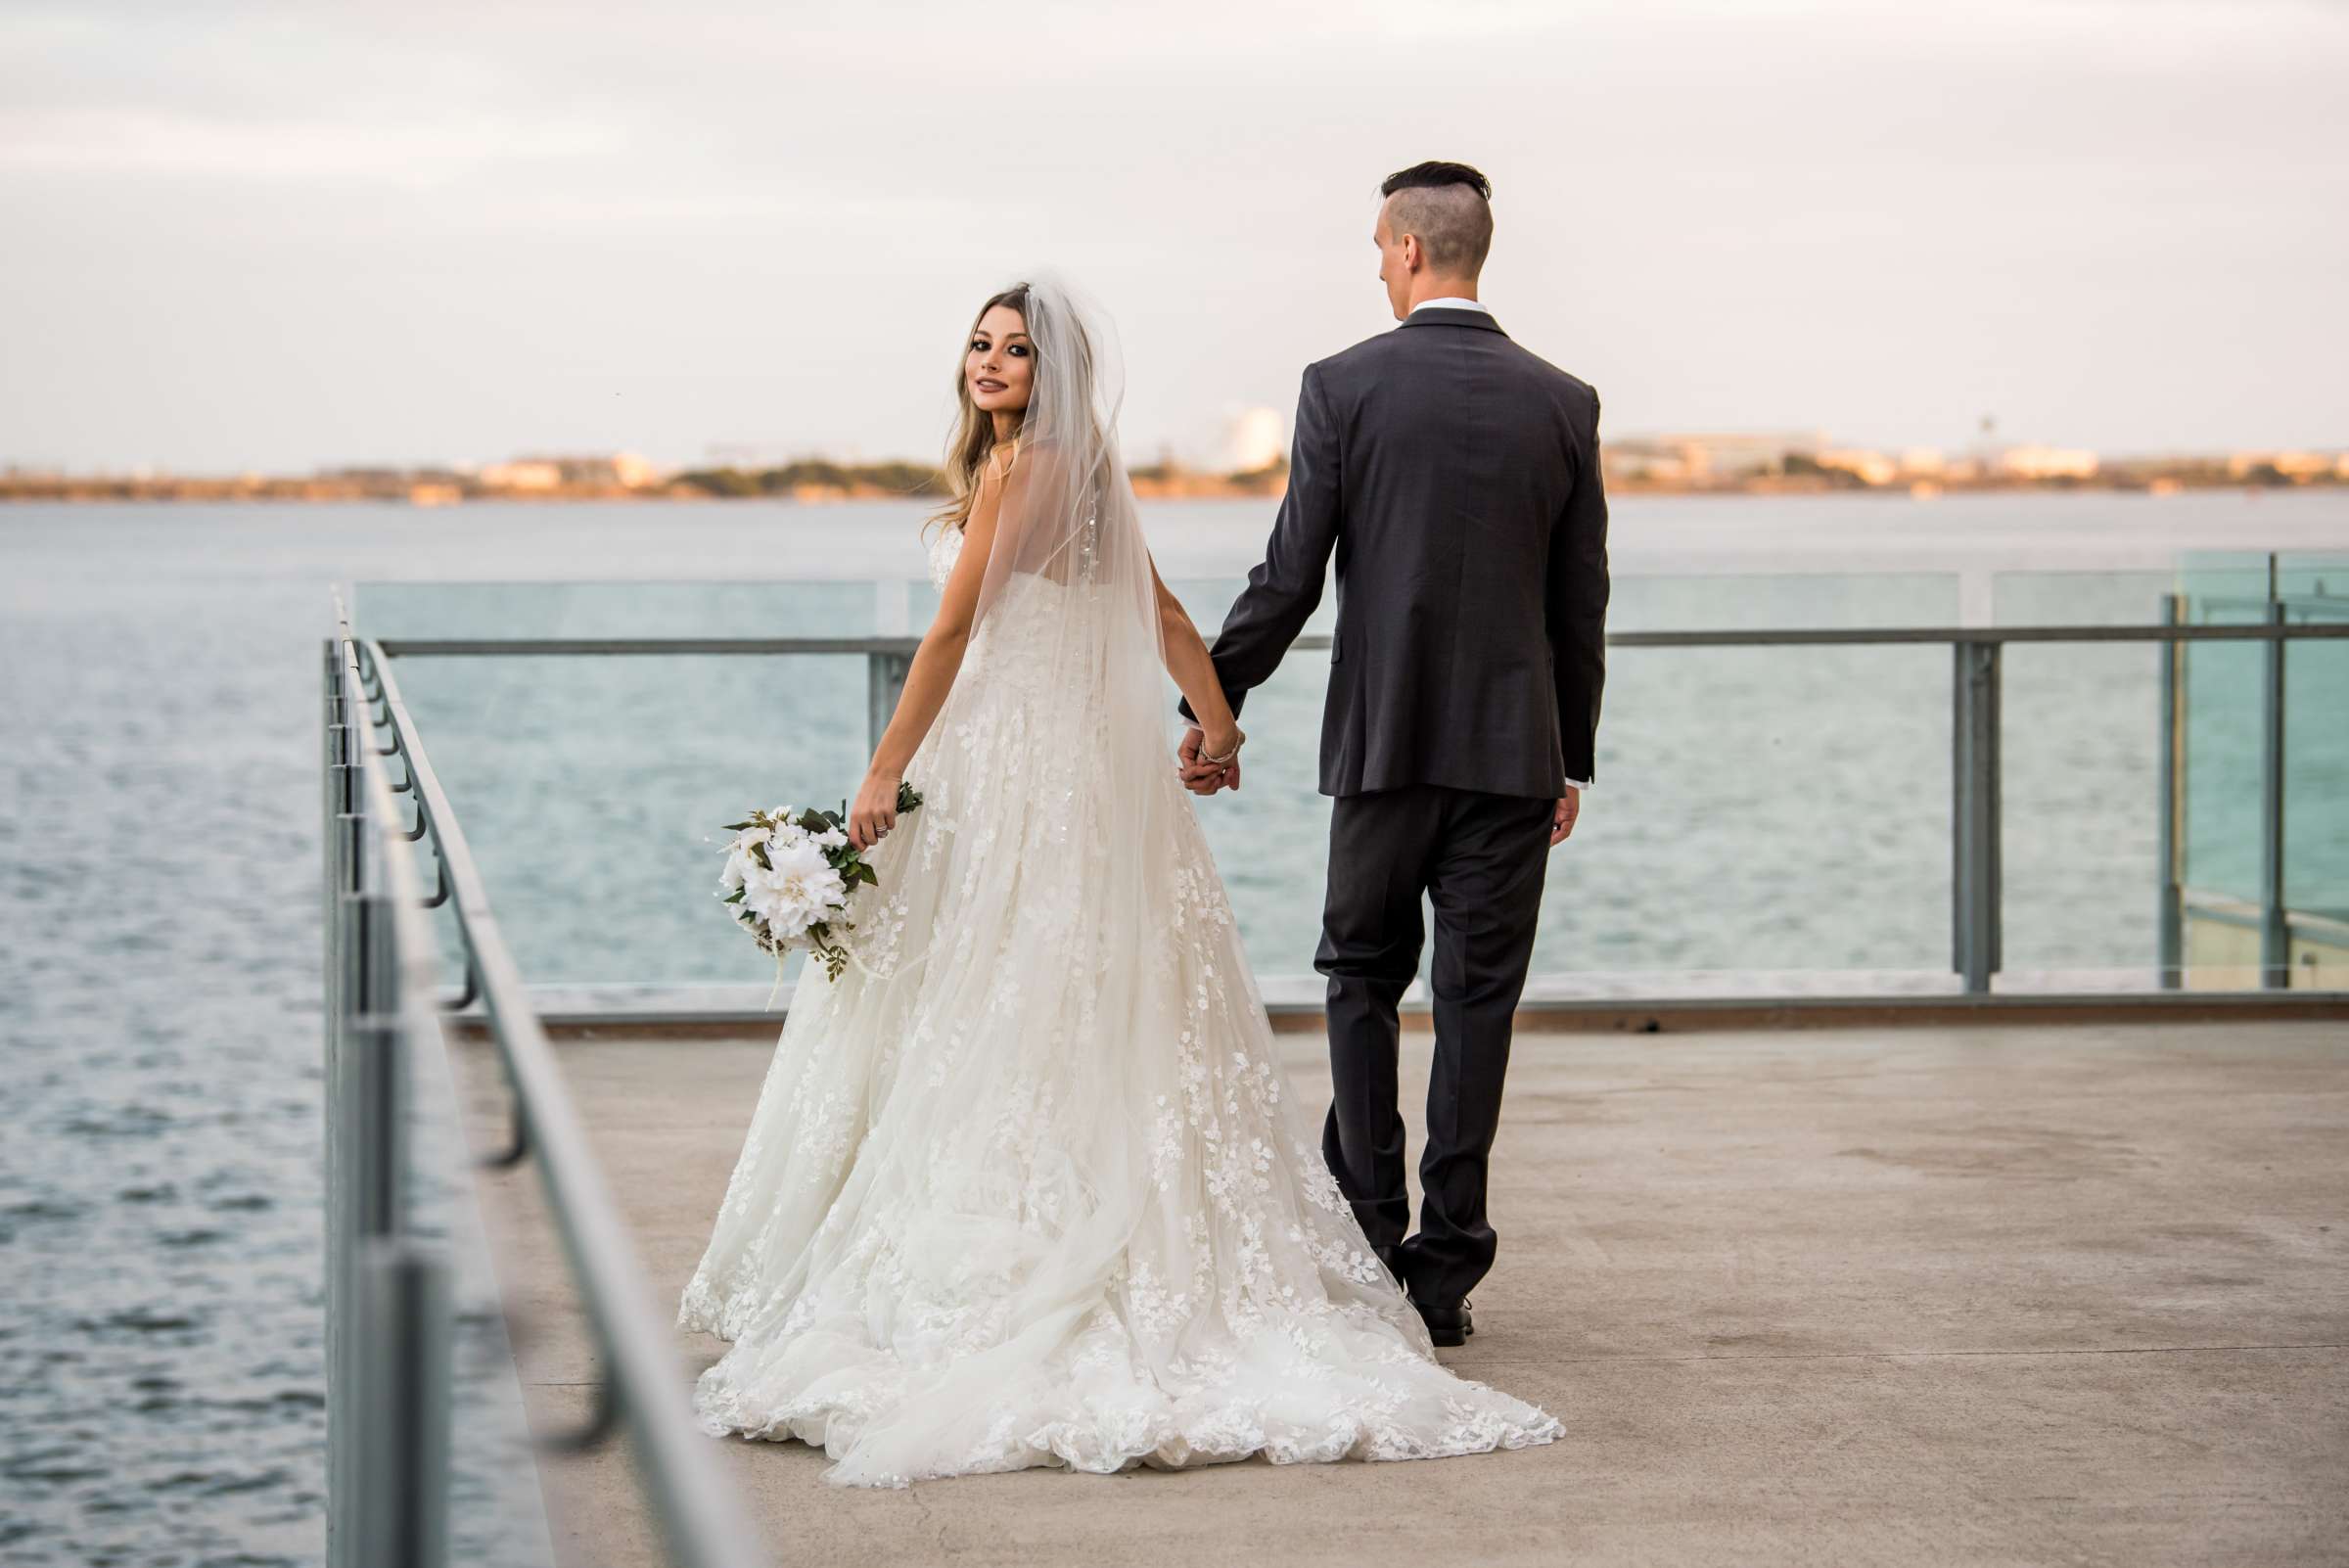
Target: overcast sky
(285, 236)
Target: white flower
(832, 839)
(739, 859)
(794, 891)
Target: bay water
(1773, 818)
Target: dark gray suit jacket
(1456, 477)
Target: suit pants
(1480, 860)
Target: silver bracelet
(1239, 738)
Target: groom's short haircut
(1449, 207)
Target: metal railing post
(885, 675)
(335, 777)
(2274, 951)
(2170, 898)
(366, 1139)
(1974, 876)
(401, 1508)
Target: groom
(1456, 476)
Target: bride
(1026, 1185)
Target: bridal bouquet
(789, 877)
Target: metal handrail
(1320, 641)
(387, 1290)
(704, 1526)
(394, 1296)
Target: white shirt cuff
(1579, 784)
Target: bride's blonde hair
(975, 428)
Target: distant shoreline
(1701, 464)
(1185, 487)
(455, 491)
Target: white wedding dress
(1026, 1185)
(978, 1224)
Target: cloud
(281, 234)
(132, 141)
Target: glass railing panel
(2316, 779)
(397, 611)
(2221, 713)
(496, 1512)
(1764, 819)
(2230, 692)
(1270, 838)
(1774, 601)
(2080, 815)
(2316, 582)
(595, 789)
(1792, 810)
(2081, 598)
(2232, 583)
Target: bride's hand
(876, 809)
(1202, 776)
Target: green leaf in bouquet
(737, 827)
(736, 896)
(759, 853)
(909, 799)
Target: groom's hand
(1561, 821)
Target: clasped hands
(1205, 768)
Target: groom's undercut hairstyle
(1449, 207)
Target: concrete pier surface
(2072, 1294)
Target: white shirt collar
(1448, 303)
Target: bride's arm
(932, 675)
(1193, 671)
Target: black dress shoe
(1448, 1326)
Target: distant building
(1254, 441)
(621, 471)
(2295, 466)
(1622, 462)
(524, 474)
(1708, 458)
(2046, 462)
(632, 471)
(1870, 468)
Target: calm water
(159, 1335)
